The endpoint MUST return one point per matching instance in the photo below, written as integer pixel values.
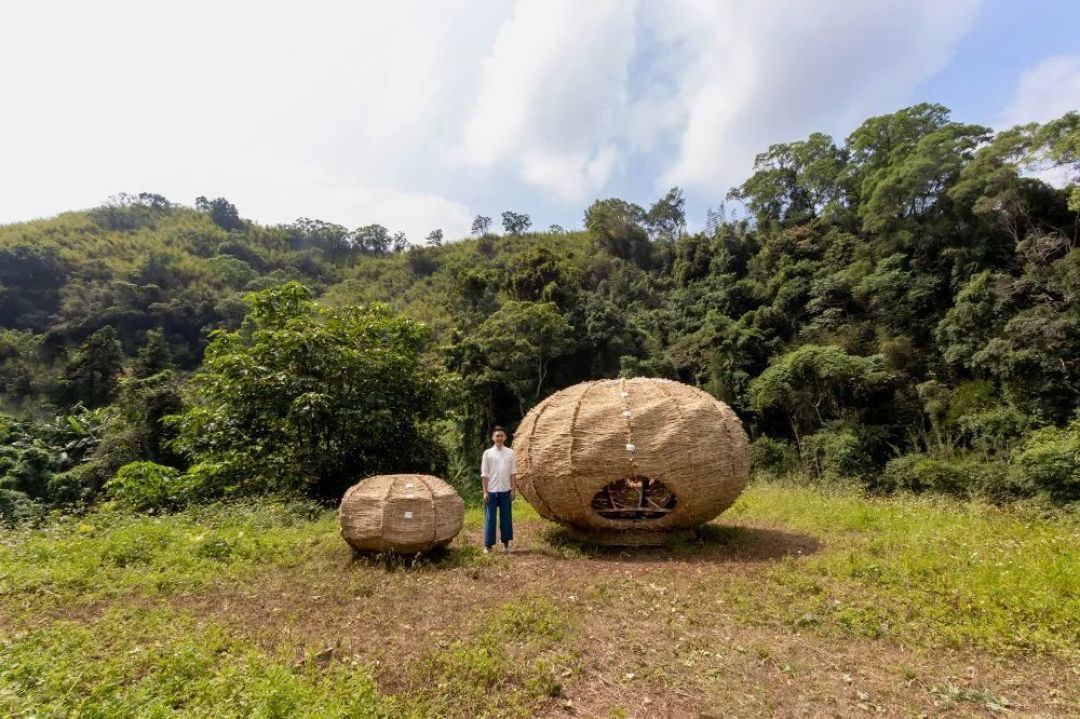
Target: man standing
(497, 474)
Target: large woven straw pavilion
(627, 461)
(403, 513)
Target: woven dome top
(403, 513)
(631, 455)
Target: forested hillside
(901, 308)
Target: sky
(421, 115)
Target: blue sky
(1007, 39)
(419, 115)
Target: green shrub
(307, 398)
(993, 431)
(1049, 463)
(970, 398)
(772, 456)
(29, 469)
(78, 485)
(964, 476)
(16, 507)
(834, 452)
(816, 385)
(143, 486)
(208, 480)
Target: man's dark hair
(498, 428)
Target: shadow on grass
(443, 558)
(708, 543)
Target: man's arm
(485, 475)
(513, 476)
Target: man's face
(498, 438)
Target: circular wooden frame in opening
(634, 498)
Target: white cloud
(574, 92)
(553, 94)
(570, 176)
(1046, 91)
(769, 72)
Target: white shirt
(497, 466)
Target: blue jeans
(498, 502)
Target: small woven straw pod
(403, 513)
(628, 461)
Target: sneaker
(487, 550)
(506, 549)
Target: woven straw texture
(403, 513)
(578, 441)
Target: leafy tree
(795, 182)
(154, 201)
(814, 384)
(246, 253)
(399, 242)
(976, 316)
(422, 262)
(608, 331)
(373, 238)
(21, 373)
(835, 451)
(154, 356)
(883, 140)
(516, 345)
(91, 375)
(516, 223)
(539, 274)
(137, 429)
(130, 212)
(896, 298)
(715, 218)
(481, 225)
(915, 183)
(667, 217)
(619, 228)
(1024, 333)
(331, 239)
(31, 277)
(691, 258)
(221, 211)
(1057, 144)
(17, 476)
(306, 397)
(435, 238)
(991, 185)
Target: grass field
(797, 602)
